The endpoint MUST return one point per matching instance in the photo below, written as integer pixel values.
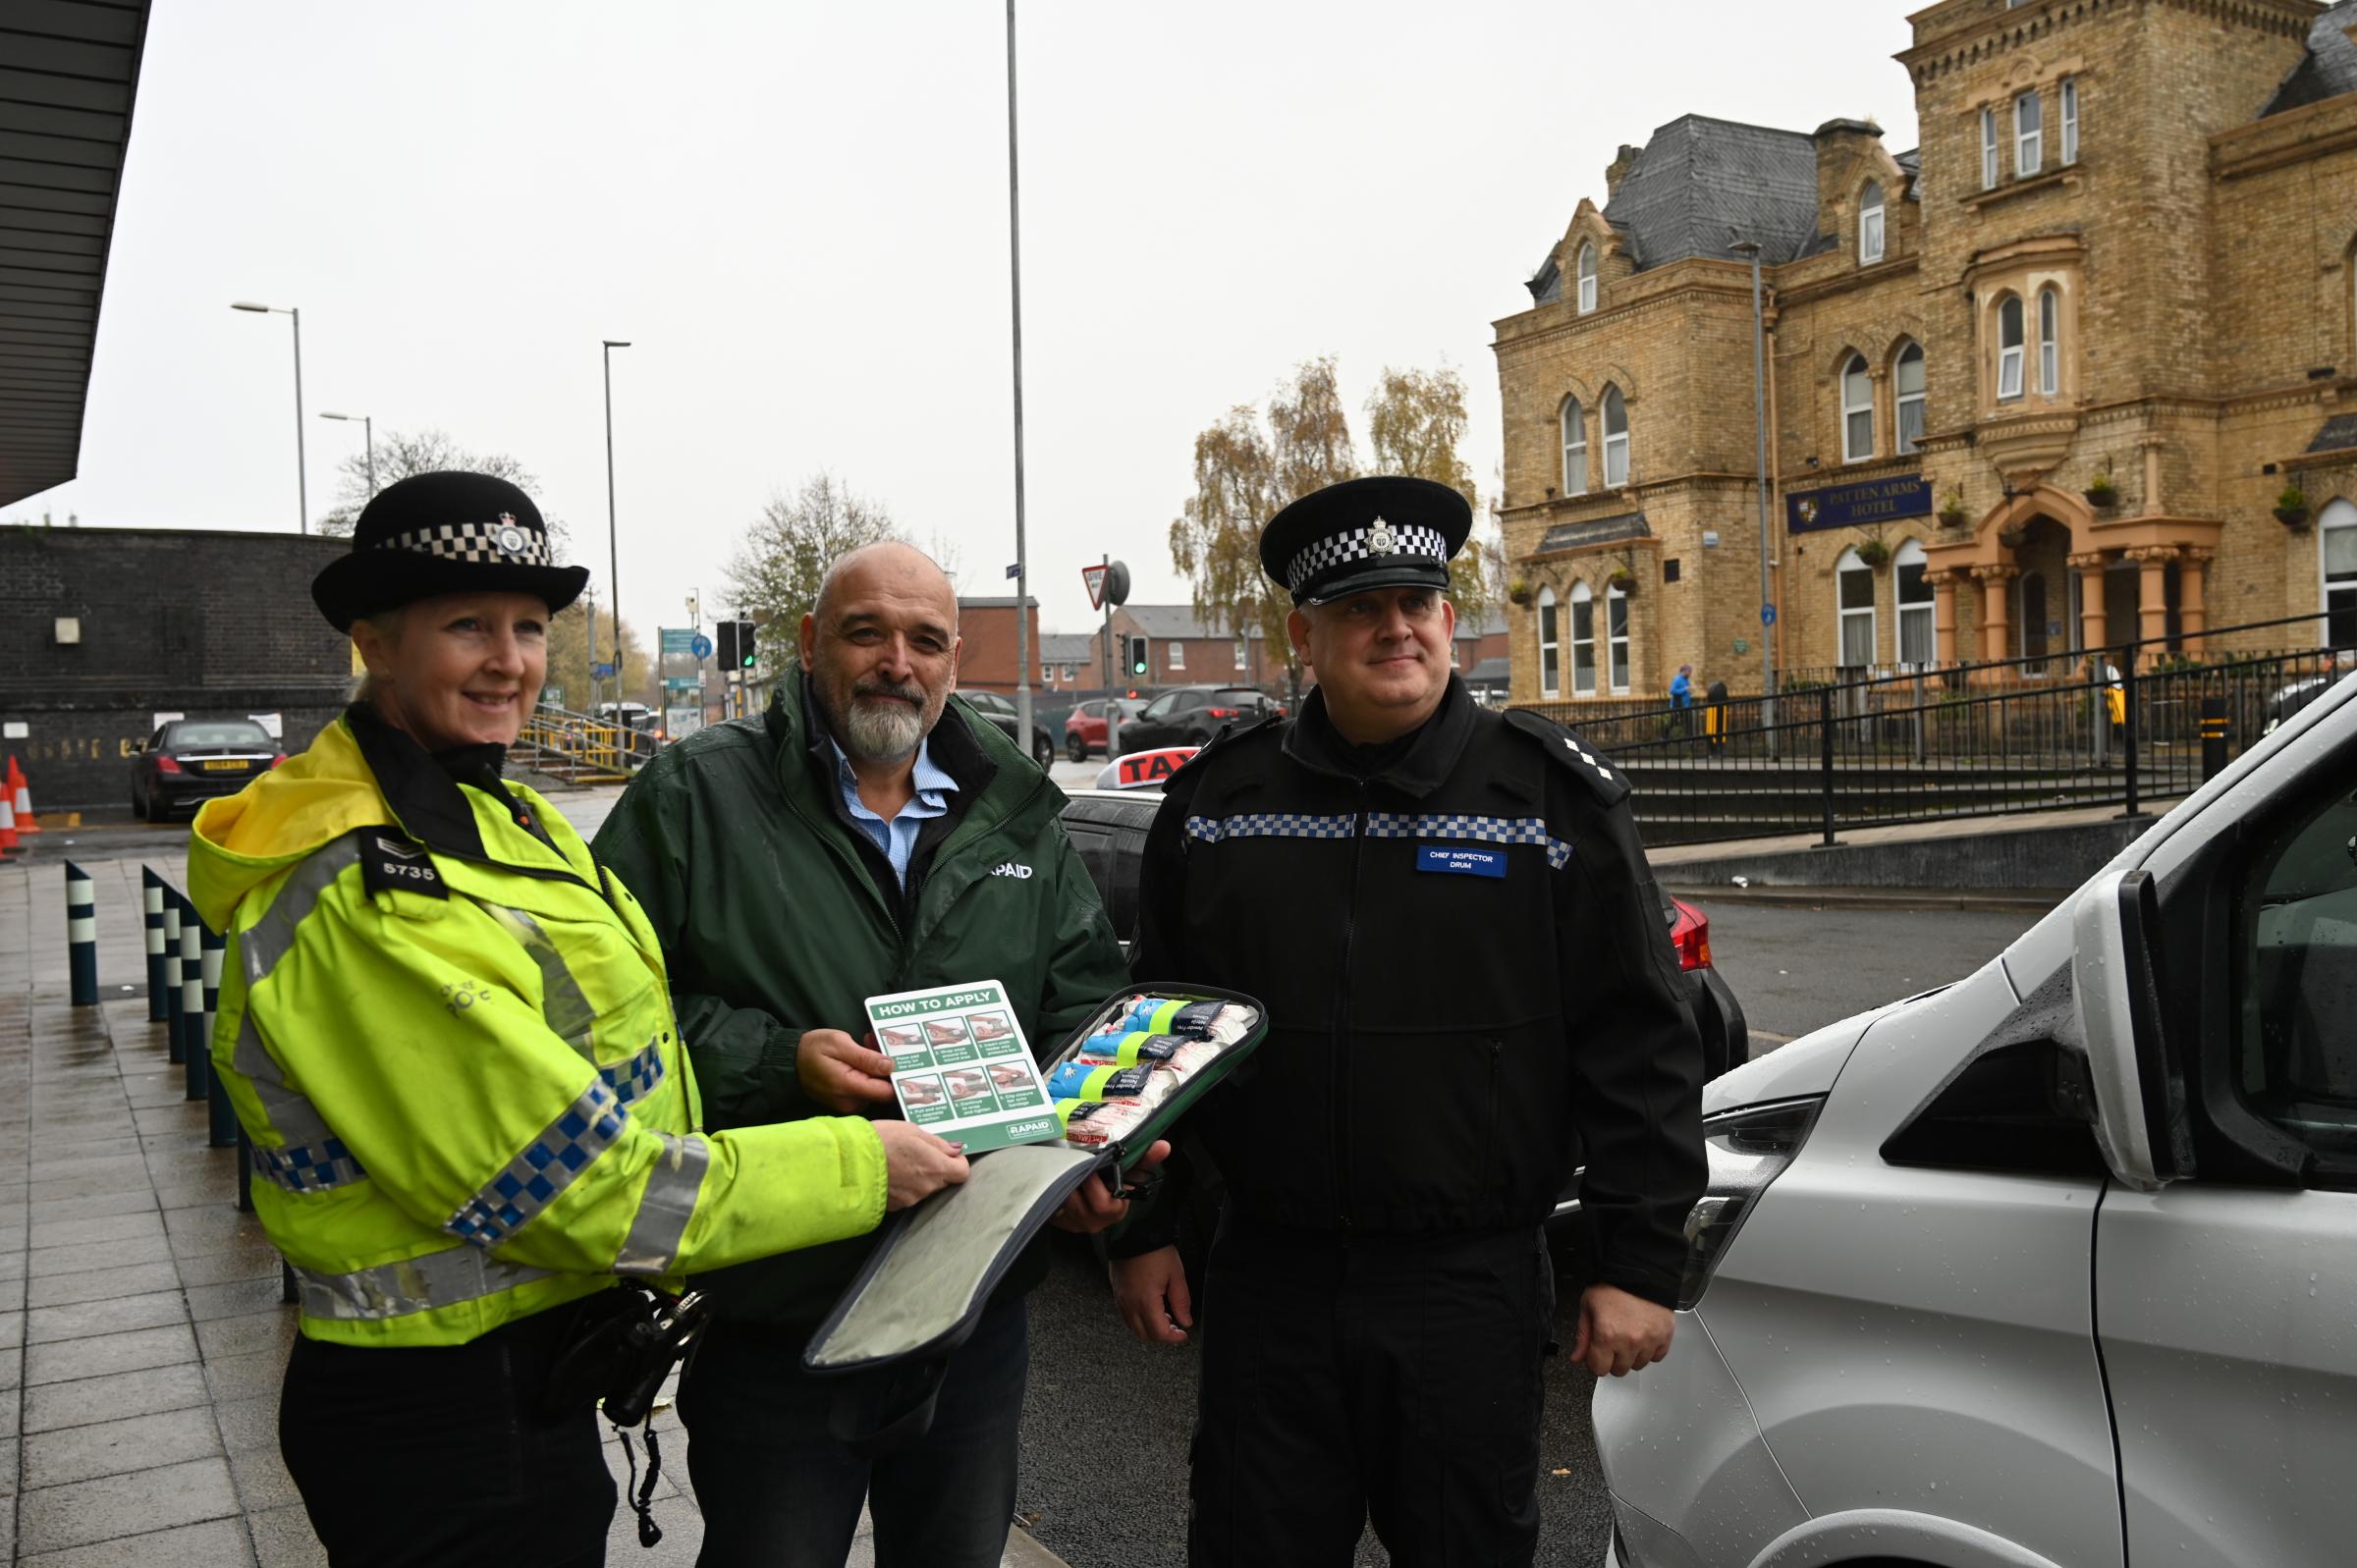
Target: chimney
(1618, 169)
(1844, 148)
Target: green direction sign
(679, 639)
(680, 683)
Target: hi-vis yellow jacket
(452, 1048)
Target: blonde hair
(387, 624)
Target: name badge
(1461, 862)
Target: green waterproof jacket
(778, 916)
(451, 1041)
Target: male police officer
(1458, 941)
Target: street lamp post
(303, 497)
(369, 426)
(1023, 564)
(1750, 249)
(613, 545)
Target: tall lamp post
(1023, 564)
(1750, 249)
(613, 546)
(368, 426)
(303, 497)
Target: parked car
(1000, 711)
(1190, 716)
(1085, 725)
(2053, 1266)
(2294, 696)
(191, 761)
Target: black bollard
(224, 1129)
(173, 994)
(81, 935)
(151, 906)
(2214, 736)
(192, 1055)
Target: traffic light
(1138, 655)
(748, 651)
(723, 643)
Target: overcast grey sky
(797, 215)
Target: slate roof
(1064, 647)
(1701, 184)
(2338, 434)
(2328, 70)
(1170, 620)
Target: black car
(191, 761)
(1000, 711)
(1190, 716)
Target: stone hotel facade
(2079, 370)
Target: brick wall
(212, 624)
(986, 659)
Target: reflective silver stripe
(263, 944)
(653, 1244)
(413, 1284)
(546, 1167)
(564, 1009)
(293, 1115)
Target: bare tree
(1216, 538)
(1416, 423)
(777, 569)
(402, 453)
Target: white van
(2057, 1266)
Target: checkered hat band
(487, 543)
(1340, 549)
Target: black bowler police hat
(1387, 531)
(437, 533)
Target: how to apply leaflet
(960, 1066)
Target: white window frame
(2009, 354)
(1843, 614)
(2029, 134)
(1870, 223)
(1574, 419)
(1586, 266)
(1616, 443)
(1919, 614)
(1177, 656)
(2339, 517)
(1989, 170)
(2068, 145)
(1241, 660)
(1616, 640)
(2049, 340)
(1583, 640)
(1857, 417)
(1551, 645)
(1903, 402)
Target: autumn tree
(1416, 424)
(569, 657)
(401, 454)
(785, 553)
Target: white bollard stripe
(192, 996)
(76, 903)
(82, 929)
(152, 901)
(155, 941)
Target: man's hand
(1150, 1293)
(1620, 1333)
(917, 1164)
(1090, 1207)
(842, 1074)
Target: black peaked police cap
(1385, 531)
(437, 533)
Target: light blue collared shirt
(897, 838)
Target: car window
(1163, 706)
(231, 733)
(990, 702)
(2295, 1047)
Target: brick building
(986, 659)
(1181, 651)
(2033, 387)
(103, 629)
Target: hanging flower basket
(1520, 592)
(2292, 517)
(2012, 538)
(1625, 581)
(1875, 554)
(2103, 495)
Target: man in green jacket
(864, 836)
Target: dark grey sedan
(191, 761)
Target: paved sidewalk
(141, 1335)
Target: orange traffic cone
(21, 798)
(8, 823)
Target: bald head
(889, 563)
(881, 645)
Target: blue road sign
(1767, 615)
(701, 647)
(601, 672)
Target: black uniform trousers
(1392, 1378)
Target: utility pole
(1759, 414)
(1023, 566)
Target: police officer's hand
(1092, 1207)
(1150, 1293)
(1620, 1333)
(842, 1074)
(917, 1164)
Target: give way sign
(1094, 576)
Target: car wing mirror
(2115, 991)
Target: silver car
(2054, 1268)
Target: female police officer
(449, 1035)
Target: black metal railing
(2084, 729)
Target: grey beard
(882, 731)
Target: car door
(1155, 726)
(2226, 1299)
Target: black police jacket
(1468, 982)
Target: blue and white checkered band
(502, 542)
(1481, 829)
(1377, 541)
(635, 1078)
(1269, 824)
(311, 1168)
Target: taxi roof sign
(1144, 770)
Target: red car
(1085, 725)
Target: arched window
(1583, 641)
(1615, 438)
(1870, 223)
(1857, 411)
(2070, 120)
(1615, 638)
(2029, 134)
(2050, 342)
(2009, 346)
(1854, 604)
(2336, 547)
(1551, 668)
(1906, 378)
(1575, 447)
(1918, 630)
(1587, 278)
